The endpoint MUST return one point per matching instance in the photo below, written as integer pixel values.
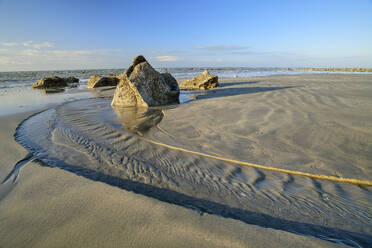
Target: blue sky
(48, 35)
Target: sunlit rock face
(142, 86)
(204, 81)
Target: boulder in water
(142, 86)
(96, 81)
(50, 82)
(204, 81)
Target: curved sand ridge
(84, 137)
(270, 168)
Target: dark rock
(50, 82)
(96, 81)
(142, 85)
(54, 82)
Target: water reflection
(138, 120)
(103, 92)
(51, 91)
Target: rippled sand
(319, 124)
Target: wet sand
(50, 207)
(313, 123)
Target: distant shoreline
(347, 69)
(333, 69)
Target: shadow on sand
(224, 92)
(222, 85)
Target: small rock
(54, 82)
(50, 82)
(96, 81)
(204, 81)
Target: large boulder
(204, 81)
(96, 81)
(142, 86)
(54, 82)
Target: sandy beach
(185, 124)
(314, 123)
(320, 124)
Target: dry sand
(319, 123)
(314, 123)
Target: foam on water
(91, 139)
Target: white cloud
(10, 44)
(220, 47)
(44, 44)
(26, 43)
(29, 43)
(167, 58)
(44, 58)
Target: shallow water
(91, 139)
(23, 99)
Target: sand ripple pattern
(86, 137)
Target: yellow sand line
(269, 168)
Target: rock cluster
(142, 86)
(54, 82)
(204, 81)
(96, 81)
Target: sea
(17, 96)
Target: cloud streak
(167, 58)
(30, 44)
(42, 56)
(220, 48)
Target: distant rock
(204, 81)
(51, 82)
(141, 85)
(96, 81)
